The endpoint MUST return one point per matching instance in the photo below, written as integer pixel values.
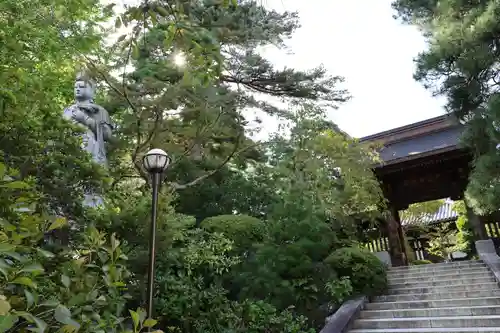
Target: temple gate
(421, 162)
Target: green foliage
(461, 64)
(420, 262)
(270, 212)
(443, 239)
(80, 288)
(340, 289)
(465, 235)
(243, 230)
(367, 274)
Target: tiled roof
(444, 214)
(423, 144)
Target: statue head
(84, 87)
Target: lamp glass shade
(156, 160)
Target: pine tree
(462, 64)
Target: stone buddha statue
(96, 121)
(92, 116)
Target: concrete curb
(341, 320)
(487, 253)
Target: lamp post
(155, 162)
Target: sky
(361, 41)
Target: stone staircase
(445, 298)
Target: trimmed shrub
(367, 274)
(243, 230)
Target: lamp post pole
(152, 243)
(155, 162)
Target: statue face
(83, 90)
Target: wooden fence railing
(378, 245)
(492, 229)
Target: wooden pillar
(425, 246)
(477, 224)
(401, 236)
(394, 233)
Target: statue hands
(82, 117)
(79, 116)
(89, 107)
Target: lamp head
(156, 161)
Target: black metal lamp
(155, 161)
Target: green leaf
(63, 315)
(4, 264)
(4, 268)
(51, 303)
(16, 256)
(16, 185)
(45, 253)
(4, 273)
(118, 22)
(6, 322)
(72, 326)
(41, 326)
(5, 247)
(135, 319)
(154, 19)
(121, 38)
(114, 242)
(65, 280)
(162, 11)
(30, 298)
(3, 170)
(78, 299)
(58, 223)
(150, 322)
(33, 268)
(72, 329)
(135, 51)
(142, 314)
(24, 281)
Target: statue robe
(93, 143)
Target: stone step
(444, 289)
(472, 279)
(483, 310)
(430, 330)
(453, 275)
(433, 266)
(429, 275)
(429, 322)
(439, 296)
(443, 269)
(440, 303)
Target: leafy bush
(49, 289)
(243, 230)
(339, 290)
(367, 274)
(421, 262)
(67, 291)
(192, 298)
